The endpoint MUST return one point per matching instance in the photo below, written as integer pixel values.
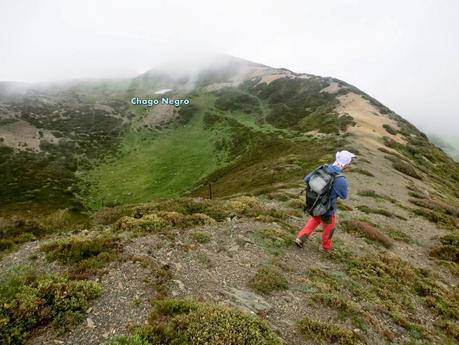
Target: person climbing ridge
(323, 186)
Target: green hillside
(108, 235)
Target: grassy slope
(155, 166)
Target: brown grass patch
(368, 230)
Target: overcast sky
(404, 53)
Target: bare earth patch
(369, 129)
(21, 135)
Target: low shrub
(361, 171)
(131, 340)
(267, 280)
(58, 221)
(398, 235)
(380, 211)
(201, 237)
(389, 129)
(29, 300)
(436, 206)
(343, 207)
(405, 168)
(161, 221)
(274, 240)
(328, 332)
(449, 248)
(189, 322)
(446, 252)
(370, 193)
(16, 230)
(367, 230)
(84, 255)
(109, 215)
(434, 216)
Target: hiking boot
(300, 241)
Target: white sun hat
(343, 158)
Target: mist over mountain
(170, 201)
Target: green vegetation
(434, 216)
(201, 237)
(267, 280)
(398, 235)
(18, 229)
(161, 221)
(342, 206)
(189, 322)
(157, 165)
(233, 99)
(405, 168)
(436, 205)
(366, 230)
(274, 240)
(426, 157)
(390, 129)
(84, 255)
(380, 211)
(29, 299)
(326, 331)
(361, 171)
(132, 340)
(372, 194)
(291, 100)
(448, 249)
(85, 132)
(383, 284)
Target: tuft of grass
(380, 211)
(434, 216)
(383, 283)
(205, 260)
(361, 171)
(448, 249)
(370, 193)
(326, 331)
(24, 228)
(201, 237)
(367, 230)
(389, 129)
(161, 221)
(267, 280)
(398, 235)
(405, 168)
(343, 207)
(84, 255)
(29, 299)
(274, 240)
(416, 195)
(436, 206)
(128, 340)
(109, 215)
(161, 274)
(385, 273)
(176, 321)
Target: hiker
(324, 186)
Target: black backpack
(318, 190)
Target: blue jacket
(339, 188)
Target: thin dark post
(210, 190)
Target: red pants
(328, 226)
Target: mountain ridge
(108, 227)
